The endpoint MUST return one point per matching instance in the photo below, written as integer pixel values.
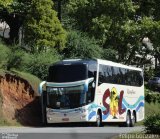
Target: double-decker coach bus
(96, 91)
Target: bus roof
(76, 61)
(107, 62)
(94, 61)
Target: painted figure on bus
(114, 103)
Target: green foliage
(120, 25)
(80, 46)
(151, 96)
(102, 19)
(43, 29)
(4, 55)
(110, 54)
(152, 124)
(5, 3)
(14, 12)
(38, 63)
(16, 58)
(149, 74)
(39, 21)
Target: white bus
(96, 91)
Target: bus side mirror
(100, 78)
(95, 75)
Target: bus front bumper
(66, 116)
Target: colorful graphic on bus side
(117, 106)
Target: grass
(2, 72)
(33, 80)
(150, 109)
(5, 122)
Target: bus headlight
(51, 89)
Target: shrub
(16, 58)
(152, 124)
(4, 55)
(148, 98)
(80, 45)
(39, 63)
(158, 98)
(151, 96)
(19, 59)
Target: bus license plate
(65, 119)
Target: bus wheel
(128, 120)
(133, 121)
(98, 120)
(44, 117)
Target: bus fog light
(49, 118)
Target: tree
(105, 20)
(13, 12)
(44, 29)
(118, 25)
(150, 8)
(41, 25)
(79, 45)
(5, 3)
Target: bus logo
(115, 105)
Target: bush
(81, 46)
(39, 63)
(16, 58)
(152, 124)
(151, 96)
(148, 98)
(4, 55)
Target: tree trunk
(59, 10)
(14, 22)
(14, 33)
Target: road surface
(65, 132)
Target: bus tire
(44, 123)
(44, 116)
(98, 119)
(133, 120)
(128, 120)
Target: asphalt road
(65, 132)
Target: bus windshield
(67, 73)
(66, 98)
